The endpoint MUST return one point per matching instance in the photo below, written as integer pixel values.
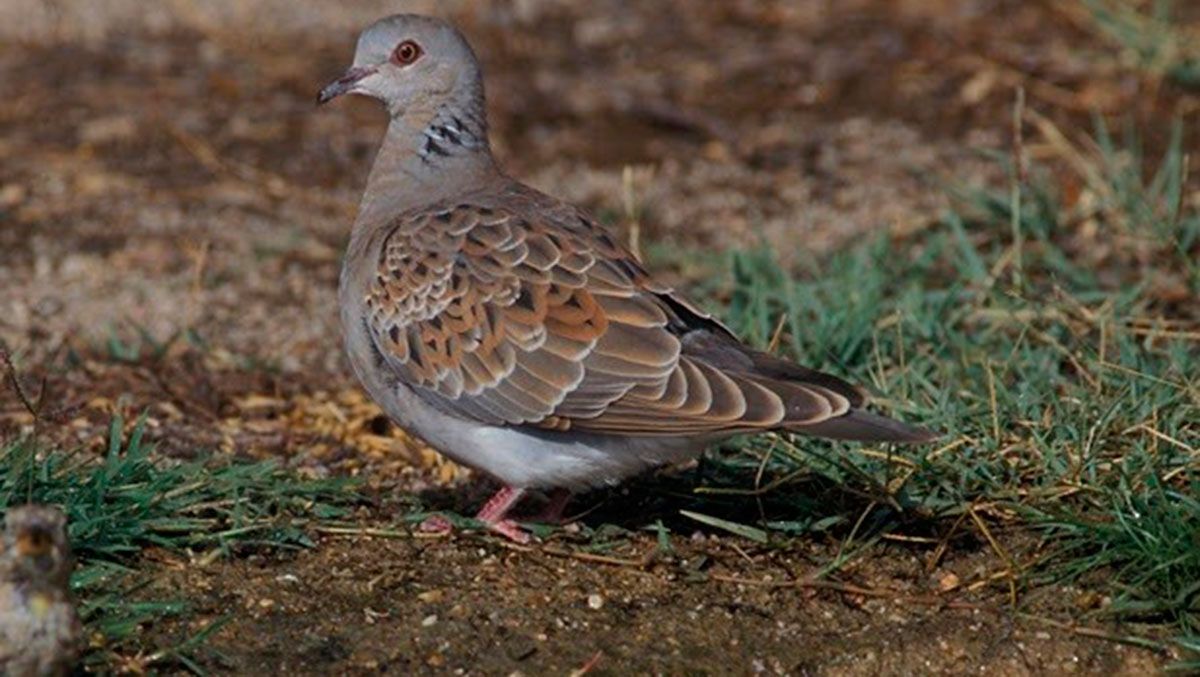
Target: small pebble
(948, 582)
(431, 596)
(595, 601)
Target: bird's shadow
(662, 500)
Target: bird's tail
(863, 426)
(857, 424)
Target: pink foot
(512, 531)
(494, 514)
(435, 524)
(553, 512)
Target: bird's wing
(523, 312)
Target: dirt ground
(470, 607)
(166, 174)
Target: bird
(511, 331)
(40, 632)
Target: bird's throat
(426, 158)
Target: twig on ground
(848, 589)
(642, 563)
(362, 531)
(589, 665)
(1095, 633)
(1000, 551)
(14, 380)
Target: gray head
(411, 62)
(36, 548)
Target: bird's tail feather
(863, 426)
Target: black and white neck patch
(451, 133)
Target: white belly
(532, 459)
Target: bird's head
(410, 61)
(35, 544)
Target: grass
(127, 502)
(1149, 34)
(1069, 395)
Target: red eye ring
(406, 53)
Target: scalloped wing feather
(518, 310)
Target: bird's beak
(343, 84)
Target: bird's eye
(406, 53)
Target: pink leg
(553, 512)
(493, 513)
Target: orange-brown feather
(523, 312)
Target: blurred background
(165, 165)
(173, 206)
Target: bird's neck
(427, 156)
